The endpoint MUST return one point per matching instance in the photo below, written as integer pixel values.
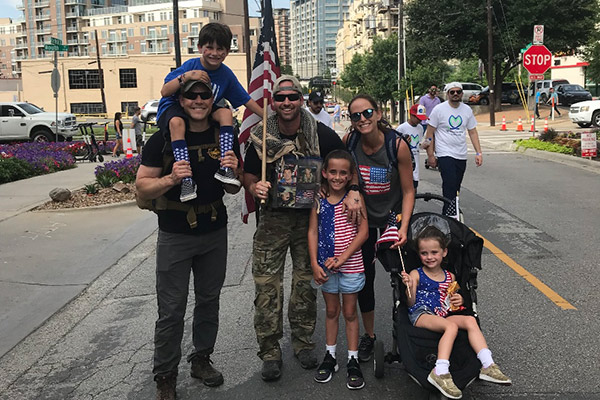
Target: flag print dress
(432, 294)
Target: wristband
(477, 154)
(355, 188)
(180, 79)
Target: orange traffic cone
(503, 128)
(129, 151)
(520, 125)
(532, 129)
(546, 125)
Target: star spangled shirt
(432, 294)
(335, 236)
(451, 126)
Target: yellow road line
(539, 285)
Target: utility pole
(400, 58)
(492, 95)
(100, 73)
(176, 38)
(247, 42)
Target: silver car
(149, 111)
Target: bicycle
(90, 151)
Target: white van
(469, 89)
(545, 85)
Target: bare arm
(254, 107)
(408, 191)
(411, 281)
(257, 188)
(353, 204)
(430, 139)
(150, 185)
(173, 85)
(475, 141)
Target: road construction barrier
(503, 128)
(532, 129)
(546, 125)
(520, 125)
(129, 151)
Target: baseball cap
(418, 110)
(286, 79)
(453, 85)
(315, 96)
(190, 84)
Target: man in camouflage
(290, 130)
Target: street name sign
(588, 144)
(537, 59)
(56, 47)
(55, 41)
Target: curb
(577, 162)
(100, 207)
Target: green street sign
(56, 47)
(524, 49)
(55, 41)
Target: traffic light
(333, 82)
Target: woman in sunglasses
(387, 185)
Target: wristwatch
(181, 78)
(356, 188)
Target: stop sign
(537, 59)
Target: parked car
(329, 107)
(469, 89)
(149, 110)
(586, 113)
(569, 94)
(482, 98)
(25, 121)
(545, 85)
(510, 94)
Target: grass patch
(533, 143)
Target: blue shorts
(340, 282)
(422, 309)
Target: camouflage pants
(276, 231)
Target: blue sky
(8, 7)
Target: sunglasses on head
(281, 97)
(368, 113)
(194, 95)
(452, 92)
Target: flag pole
(399, 219)
(266, 69)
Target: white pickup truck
(24, 121)
(586, 113)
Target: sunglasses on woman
(280, 98)
(194, 95)
(368, 113)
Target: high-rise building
(10, 31)
(314, 26)
(281, 17)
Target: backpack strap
(351, 143)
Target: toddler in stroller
(441, 348)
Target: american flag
(375, 179)
(264, 72)
(390, 234)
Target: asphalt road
(541, 214)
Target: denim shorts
(340, 282)
(422, 309)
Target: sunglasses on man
(453, 92)
(194, 95)
(280, 98)
(368, 113)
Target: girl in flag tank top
(335, 253)
(429, 306)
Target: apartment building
(9, 32)
(314, 26)
(281, 17)
(366, 20)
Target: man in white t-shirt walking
(315, 106)
(413, 132)
(449, 123)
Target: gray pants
(176, 256)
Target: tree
(449, 29)
(286, 70)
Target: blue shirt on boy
(223, 80)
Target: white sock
(331, 349)
(352, 354)
(442, 367)
(485, 356)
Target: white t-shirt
(322, 116)
(451, 126)
(414, 135)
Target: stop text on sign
(537, 59)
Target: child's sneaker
(444, 384)
(365, 347)
(354, 379)
(188, 190)
(326, 369)
(493, 374)
(227, 176)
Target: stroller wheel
(379, 359)
(100, 158)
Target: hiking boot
(494, 375)
(271, 370)
(188, 190)
(365, 347)
(165, 387)
(203, 370)
(354, 377)
(227, 176)
(326, 369)
(444, 384)
(307, 359)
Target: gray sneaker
(188, 190)
(227, 176)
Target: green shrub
(548, 136)
(92, 188)
(533, 143)
(106, 179)
(13, 169)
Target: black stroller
(416, 347)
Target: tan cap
(286, 79)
